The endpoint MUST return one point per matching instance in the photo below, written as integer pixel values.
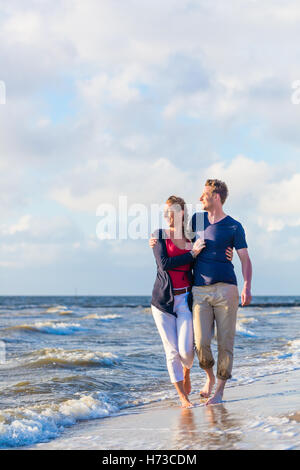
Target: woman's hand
(229, 253)
(198, 246)
(152, 241)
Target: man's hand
(246, 296)
(152, 241)
(247, 275)
(229, 253)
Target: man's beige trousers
(216, 303)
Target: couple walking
(196, 288)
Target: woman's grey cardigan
(162, 294)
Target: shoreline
(262, 415)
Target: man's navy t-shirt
(211, 265)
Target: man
(215, 292)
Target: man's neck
(216, 214)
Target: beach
(90, 373)
(265, 415)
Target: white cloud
(21, 226)
(23, 27)
(283, 199)
(103, 181)
(40, 229)
(104, 88)
(108, 98)
(264, 196)
(261, 192)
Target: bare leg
(210, 382)
(218, 396)
(185, 402)
(187, 381)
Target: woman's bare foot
(185, 402)
(207, 389)
(187, 381)
(215, 400)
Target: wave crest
(24, 426)
(50, 328)
(64, 358)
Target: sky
(144, 99)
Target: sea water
(69, 359)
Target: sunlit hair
(218, 187)
(178, 204)
(175, 200)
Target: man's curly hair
(218, 187)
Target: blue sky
(145, 100)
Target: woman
(172, 298)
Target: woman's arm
(164, 261)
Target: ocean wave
(280, 427)
(96, 316)
(242, 331)
(247, 320)
(294, 347)
(50, 328)
(61, 309)
(294, 344)
(56, 385)
(63, 358)
(291, 351)
(147, 310)
(283, 312)
(23, 426)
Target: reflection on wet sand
(217, 430)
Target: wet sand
(262, 415)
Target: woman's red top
(179, 276)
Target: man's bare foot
(207, 389)
(215, 400)
(187, 381)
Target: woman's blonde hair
(179, 204)
(175, 200)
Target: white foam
(24, 426)
(247, 320)
(63, 357)
(242, 331)
(294, 347)
(96, 316)
(58, 328)
(282, 311)
(277, 426)
(52, 327)
(58, 309)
